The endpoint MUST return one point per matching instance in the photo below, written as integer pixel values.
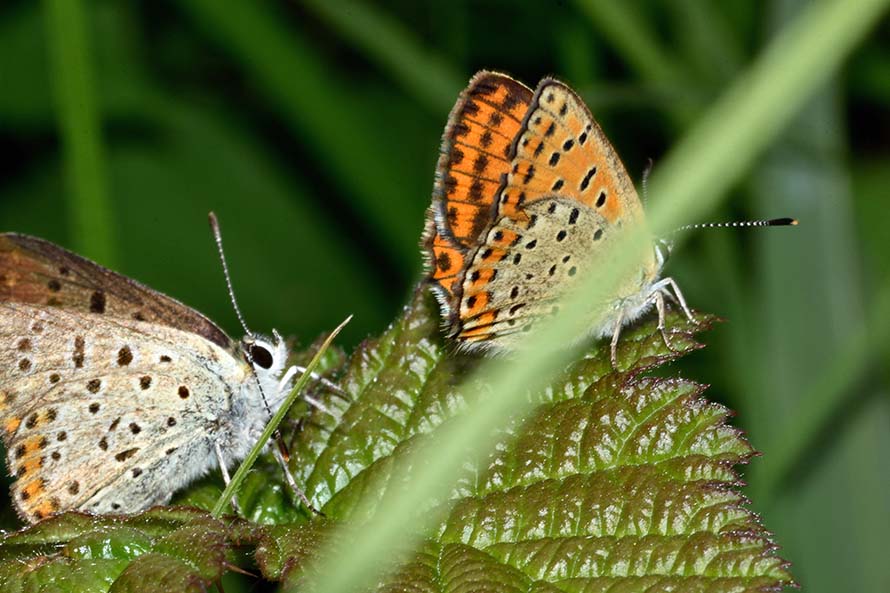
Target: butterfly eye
(260, 356)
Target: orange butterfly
(527, 193)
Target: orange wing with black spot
(476, 154)
(561, 151)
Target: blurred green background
(312, 129)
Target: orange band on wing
(476, 303)
(466, 220)
(476, 153)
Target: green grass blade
(633, 40)
(273, 424)
(654, 62)
(690, 182)
(81, 130)
(425, 75)
(320, 110)
(708, 41)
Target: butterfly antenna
(739, 224)
(217, 236)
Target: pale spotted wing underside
(106, 414)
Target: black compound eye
(260, 356)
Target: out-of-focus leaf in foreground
(617, 481)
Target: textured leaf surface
(617, 481)
(162, 549)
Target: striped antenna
(739, 224)
(217, 236)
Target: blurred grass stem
(81, 130)
(425, 75)
(827, 397)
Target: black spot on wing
(587, 177)
(97, 302)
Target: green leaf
(76, 552)
(617, 480)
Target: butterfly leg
(658, 298)
(329, 385)
(279, 457)
(669, 287)
(286, 379)
(613, 351)
(284, 385)
(317, 404)
(225, 475)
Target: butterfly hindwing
(102, 413)
(38, 272)
(475, 155)
(548, 253)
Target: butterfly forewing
(99, 413)
(475, 153)
(562, 151)
(40, 273)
